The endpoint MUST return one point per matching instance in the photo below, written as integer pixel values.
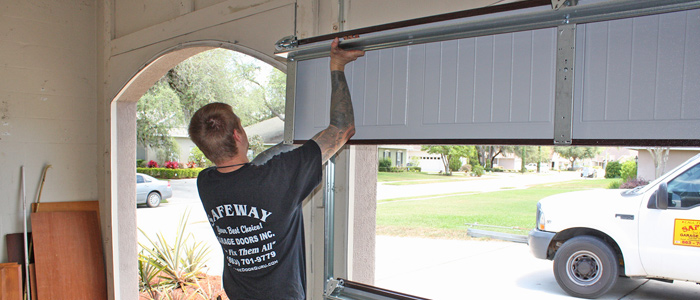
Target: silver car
(151, 191)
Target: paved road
(436, 269)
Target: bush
(170, 173)
(615, 184)
(498, 169)
(455, 163)
(152, 164)
(140, 163)
(178, 264)
(171, 165)
(197, 157)
(628, 170)
(478, 170)
(633, 183)
(384, 163)
(612, 170)
(413, 169)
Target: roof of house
(271, 130)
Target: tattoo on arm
(342, 118)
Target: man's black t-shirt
(256, 214)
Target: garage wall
(48, 102)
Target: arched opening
(121, 223)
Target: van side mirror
(659, 200)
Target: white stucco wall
(48, 104)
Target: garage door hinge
(557, 4)
(333, 287)
(287, 43)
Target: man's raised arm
(342, 125)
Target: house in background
(398, 154)
(676, 156)
(182, 141)
(270, 130)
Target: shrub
(140, 163)
(633, 183)
(152, 164)
(498, 169)
(170, 173)
(615, 184)
(467, 168)
(385, 163)
(455, 163)
(199, 159)
(178, 264)
(413, 169)
(612, 170)
(478, 170)
(171, 165)
(628, 170)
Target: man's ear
(237, 135)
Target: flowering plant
(191, 164)
(152, 164)
(171, 164)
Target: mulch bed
(211, 285)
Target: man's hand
(340, 57)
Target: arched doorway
(121, 242)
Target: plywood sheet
(68, 256)
(68, 206)
(10, 281)
(15, 246)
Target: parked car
(151, 191)
(595, 236)
(590, 172)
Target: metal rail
(511, 21)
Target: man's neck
(232, 164)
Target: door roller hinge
(333, 287)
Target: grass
(446, 216)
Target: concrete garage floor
(473, 269)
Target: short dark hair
(211, 129)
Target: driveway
(436, 269)
(473, 269)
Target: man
(255, 209)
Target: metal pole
(26, 244)
(329, 228)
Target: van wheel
(586, 267)
(153, 199)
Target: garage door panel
(635, 82)
(443, 86)
(691, 75)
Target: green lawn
(446, 216)
(406, 178)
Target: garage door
(600, 73)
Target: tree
(157, 112)
(218, 75)
(488, 153)
(573, 153)
(660, 157)
(533, 154)
(448, 152)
